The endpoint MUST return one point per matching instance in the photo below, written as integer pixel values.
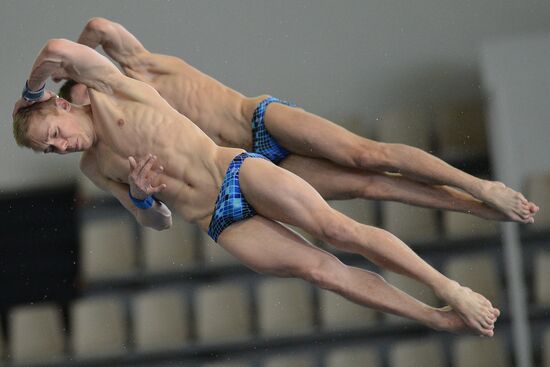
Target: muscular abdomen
(192, 171)
(216, 109)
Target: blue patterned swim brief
(231, 205)
(262, 142)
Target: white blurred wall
(346, 60)
(516, 75)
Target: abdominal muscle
(193, 169)
(224, 114)
(193, 165)
(192, 191)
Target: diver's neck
(85, 113)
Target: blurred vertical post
(517, 82)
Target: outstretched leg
(307, 134)
(268, 247)
(282, 196)
(333, 181)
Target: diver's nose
(61, 145)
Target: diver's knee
(372, 155)
(328, 273)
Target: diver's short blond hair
(22, 120)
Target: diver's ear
(63, 103)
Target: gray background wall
(517, 79)
(347, 60)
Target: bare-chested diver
(152, 158)
(337, 163)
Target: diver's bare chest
(123, 137)
(112, 164)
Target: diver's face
(59, 131)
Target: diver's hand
(142, 177)
(22, 103)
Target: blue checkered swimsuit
(231, 206)
(262, 142)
